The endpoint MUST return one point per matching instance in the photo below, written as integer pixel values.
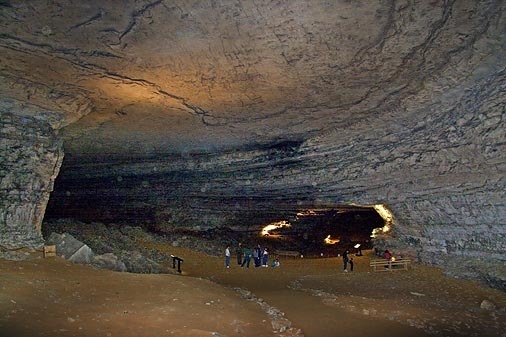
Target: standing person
(265, 258)
(227, 257)
(345, 260)
(239, 254)
(388, 257)
(351, 263)
(247, 257)
(260, 253)
(256, 258)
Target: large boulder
(70, 248)
(109, 261)
(135, 262)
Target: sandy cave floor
(53, 297)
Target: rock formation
(31, 155)
(227, 113)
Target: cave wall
(205, 114)
(439, 168)
(31, 155)
(442, 173)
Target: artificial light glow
(386, 215)
(275, 225)
(357, 245)
(329, 241)
(309, 212)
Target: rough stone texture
(70, 248)
(228, 113)
(118, 248)
(135, 262)
(108, 261)
(31, 156)
(487, 305)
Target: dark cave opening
(172, 206)
(324, 232)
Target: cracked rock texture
(31, 155)
(230, 113)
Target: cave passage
(325, 232)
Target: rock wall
(443, 176)
(440, 169)
(206, 114)
(31, 155)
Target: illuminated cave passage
(324, 232)
(145, 128)
(167, 201)
(219, 115)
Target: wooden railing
(287, 253)
(390, 265)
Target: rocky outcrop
(31, 155)
(109, 247)
(441, 173)
(209, 114)
(70, 248)
(76, 251)
(109, 261)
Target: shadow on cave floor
(317, 296)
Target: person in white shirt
(265, 258)
(227, 257)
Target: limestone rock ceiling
(171, 76)
(205, 114)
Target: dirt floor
(53, 297)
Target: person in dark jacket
(345, 260)
(257, 256)
(238, 252)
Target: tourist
(255, 258)
(345, 260)
(227, 257)
(377, 251)
(351, 263)
(257, 255)
(247, 257)
(275, 263)
(265, 258)
(239, 254)
(387, 255)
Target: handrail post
(179, 261)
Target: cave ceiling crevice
(212, 114)
(209, 76)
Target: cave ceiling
(182, 76)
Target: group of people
(349, 260)
(260, 257)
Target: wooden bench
(289, 253)
(394, 265)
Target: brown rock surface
(51, 296)
(210, 112)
